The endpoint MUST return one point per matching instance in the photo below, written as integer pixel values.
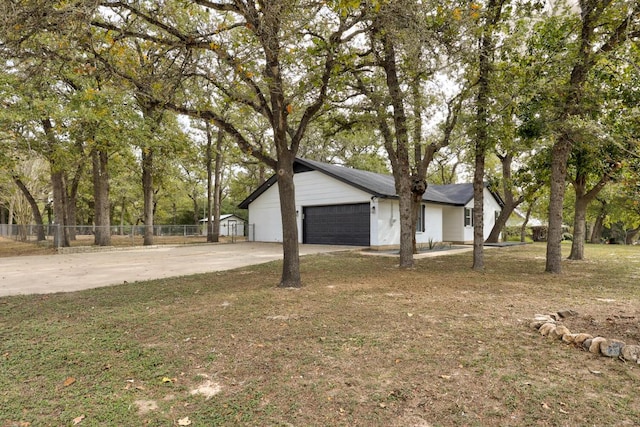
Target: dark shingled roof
(376, 184)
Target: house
(344, 206)
(230, 225)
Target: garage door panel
(337, 225)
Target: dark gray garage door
(337, 225)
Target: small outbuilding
(344, 206)
(230, 225)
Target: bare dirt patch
(208, 389)
(146, 406)
(613, 325)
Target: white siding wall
(386, 226)
(453, 229)
(433, 225)
(489, 218)
(227, 227)
(312, 189)
(490, 209)
(387, 223)
(443, 223)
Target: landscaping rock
(549, 325)
(631, 353)
(567, 313)
(581, 338)
(595, 345)
(611, 348)
(559, 331)
(546, 328)
(541, 319)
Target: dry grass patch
(11, 247)
(361, 344)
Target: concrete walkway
(76, 271)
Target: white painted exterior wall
(228, 226)
(385, 223)
(312, 189)
(442, 222)
(453, 229)
(232, 226)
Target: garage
(337, 224)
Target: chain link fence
(126, 235)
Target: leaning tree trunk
(291, 265)
(147, 190)
(501, 222)
(630, 235)
(100, 162)
(510, 202)
(37, 216)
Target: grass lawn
(361, 344)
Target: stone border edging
(548, 325)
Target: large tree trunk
(291, 263)
(583, 198)
(61, 235)
(102, 209)
(407, 230)
(478, 212)
(211, 237)
(72, 197)
(37, 216)
(147, 190)
(418, 188)
(494, 10)
(571, 107)
(560, 155)
(217, 185)
(214, 178)
(579, 228)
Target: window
(420, 223)
(497, 215)
(468, 217)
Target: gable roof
(376, 184)
(223, 217)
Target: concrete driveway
(76, 271)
